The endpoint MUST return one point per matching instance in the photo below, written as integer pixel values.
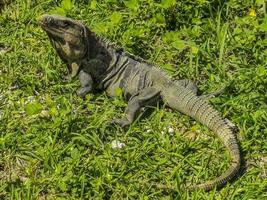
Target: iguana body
(100, 66)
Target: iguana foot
(83, 91)
(213, 94)
(121, 122)
(190, 85)
(86, 84)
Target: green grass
(54, 145)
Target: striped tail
(187, 102)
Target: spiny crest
(112, 45)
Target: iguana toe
(82, 91)
(121, 122)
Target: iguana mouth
(51, 27)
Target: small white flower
(30, 99)
(58, 106)
(198, 131)
(42, 99)
(171, 130)
(116, 144)
(44, 113)
(14, 87)
(148, 130)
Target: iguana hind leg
(213, 94)
(146, 97)
(190, 85)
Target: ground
(55, 145)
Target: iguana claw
(83, 91)
(121, 122)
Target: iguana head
(68, 37)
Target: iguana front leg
(145, 97)
(86, 83)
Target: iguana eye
(65, 24)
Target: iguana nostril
(48, 19)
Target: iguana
(106, 67)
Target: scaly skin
(103, 66)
